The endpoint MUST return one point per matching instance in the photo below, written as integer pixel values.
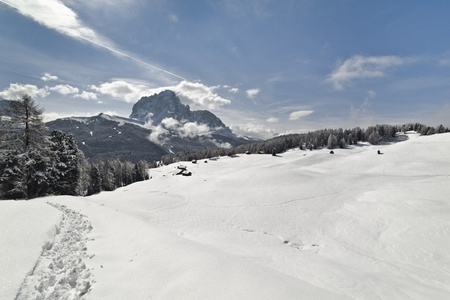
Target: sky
(264, 67)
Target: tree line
(319, 139)
(33, 164)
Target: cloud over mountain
(15, 90)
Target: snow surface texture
(25, 227)
(60, 272)
(301, 225)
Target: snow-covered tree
(127, 173)
(68, 165)
(12, 177)
(107, 174)
(39, 179)
(332, 141)
(140, 171)
(374, 138)
(95, 185)
(22, 125)
(23, 132)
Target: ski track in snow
(60, 271)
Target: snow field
(25, 227)
(302, 225)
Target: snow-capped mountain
(158, 125)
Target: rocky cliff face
(156, 108)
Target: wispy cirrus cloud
(362, 67)
(55, 15)
(299, 114)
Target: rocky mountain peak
(166, 104)
(158, 107)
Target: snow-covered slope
(302, 225)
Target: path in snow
(60, 272)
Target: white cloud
(157, 135)
(49, 77)
(233, 90)
(122, 90)
(360, 67)
(253, 130)
(252, 93)
(272, 120)
(225, 145)
(86, 96)
(64, 89)
(299, 114)
(185, 130)
(170, 123)
(68, 90)
(193, 129)
(195, 93)
(54, 15)
(15, 90)
(191, 93)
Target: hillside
(103, 136)
(299, 225)
(158, 125)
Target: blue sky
(263, 67)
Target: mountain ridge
(158, 125)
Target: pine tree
(23, 128)
(69, 165)
(12, 177)
(23, 131)
(95, 185)
(140, 171)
